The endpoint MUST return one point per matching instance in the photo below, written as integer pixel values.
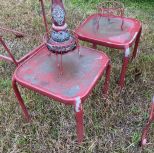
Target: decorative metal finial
(60, 40)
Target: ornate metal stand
(59, 39)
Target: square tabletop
(102, 30)
(80, 73)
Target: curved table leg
(107, 79)
(136, 44)
(147, 126)
(79, 119)
(124, 67)
(20, 100)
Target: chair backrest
(111, 8)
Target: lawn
(113, 125)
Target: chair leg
(20, 100)
(79, 120)
(136, 44)
(124, 68)
(147, 126)
(107, 79)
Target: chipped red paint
(81, 73)
(98, 30)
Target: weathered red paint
(81, 73)
(123, 71)
(79, 124)
(98, 30)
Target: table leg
(20, 100)
(136, 44)
(124, 67)
(79, 120)
(107, 79)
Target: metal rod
(7, 49)
(44, 17)
(17, 33)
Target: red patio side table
(69, 81)
(80, 75)
(112, 30)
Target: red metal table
(115, 32)
(80, 74)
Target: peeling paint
(77, 104)
(127, 52)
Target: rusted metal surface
(113, 30)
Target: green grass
(111, 126)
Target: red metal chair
(147, 126)
(82, 68)
(110, 28)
